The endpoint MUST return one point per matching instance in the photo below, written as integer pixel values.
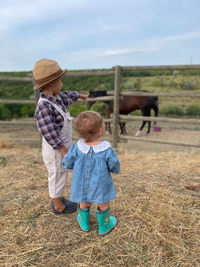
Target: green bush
(10, 111)
(193, 110)
(171, 110)
(175, 73)
(5, 113)
(27, 111)
(143, 73)
(99, 107)
(85, 84)
(15, 90)
(75, 108)
(187, 85)
(173, 84)
(158, 82)
(129, 85)
(15, 110)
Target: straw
(158, 218)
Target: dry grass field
(157, 207)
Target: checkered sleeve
(46, 125)
(69, 97)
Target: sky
(92, 34)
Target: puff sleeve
(113, 162)
(69, 159)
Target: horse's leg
(148, 114)
(121, 127)
(142, 126)
(149, 127)
(107, 112)
(124, 128)
(145, 112)
(156, 110)
(107, 126)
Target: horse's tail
(155, 106)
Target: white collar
(84, 148)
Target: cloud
(156, 49)
(15, 13)
(183, 36)
(124, 51)
(173, 41)
(144, 46)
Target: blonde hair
(88, 124)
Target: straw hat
(45, 71)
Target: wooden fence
(117, 118)
(116, 95)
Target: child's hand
(83, 96)
(63, 150)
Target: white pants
(57, 175)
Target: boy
(55, 125)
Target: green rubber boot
(106, 222)
(83, 219)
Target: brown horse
(127, 105)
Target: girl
(92, 161)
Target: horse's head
(94, 94)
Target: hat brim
(38, 86)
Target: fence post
(116, 105)
(36, 92)
(37, 96)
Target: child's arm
(69, 158)
(113, 162)
(69, 97)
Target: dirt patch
(175, 135)
(172, 133)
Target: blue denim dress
(91, 179)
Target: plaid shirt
(48, 119)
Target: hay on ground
(158, 218)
